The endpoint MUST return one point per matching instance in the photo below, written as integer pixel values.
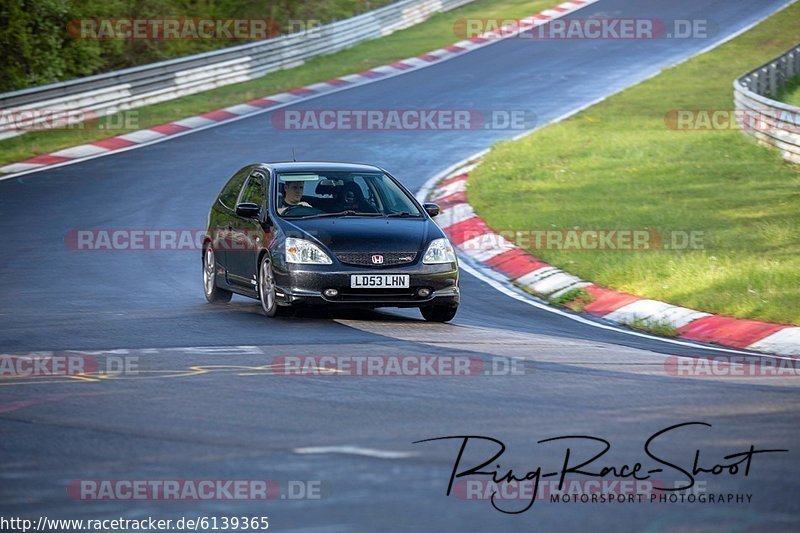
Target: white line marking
(786, 341)
(285, 97)
(322, 86)
(195, 122)
(355, 450)
(82, 150)
(241, 109)
(556, 282)
(655, 311)
(537, 275)
(140, 136)
(453, 215)
(19, 168)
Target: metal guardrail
(773, 123)
(158, 82)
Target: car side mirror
(248, 210)
(432, 209)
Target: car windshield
(341, 194)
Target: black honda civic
(338, 234)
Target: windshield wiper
(400, 214)
(348, 213)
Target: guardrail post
(773, 82)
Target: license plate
(378, 281)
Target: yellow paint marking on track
(197, 370)
(83, 377)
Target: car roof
(321, 166)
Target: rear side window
(231, 190)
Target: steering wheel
(293, 210)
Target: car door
(248, 235)
(221, 217)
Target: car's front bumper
(304, 284)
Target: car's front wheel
(438, 313)
(266, 288)
(214, 294)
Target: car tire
(214, 294)
(438, 313)
(266, 288)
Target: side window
(253, 192)
(231, 190)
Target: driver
(293, 195)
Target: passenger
(352, 198)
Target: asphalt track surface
(232, 420)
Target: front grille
(365, 258)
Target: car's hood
(372, 234)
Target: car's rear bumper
(304, 285)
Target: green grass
(575, 299)
(434, 33)
(790, 93)
(649, 326)
(617, 165)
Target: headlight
(439, 251)
(305, 252)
